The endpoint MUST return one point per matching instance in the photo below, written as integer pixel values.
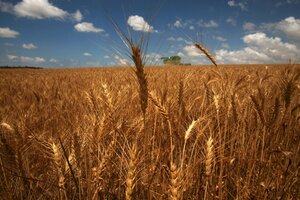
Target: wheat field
(199, 132)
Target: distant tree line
(19, 67)
(173, 60)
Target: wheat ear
(165, 114)
(209, 156)
(175, 182)
(141, 76)
(137, 58)
(131, 172)
(207, 53)
(57, 162)
(162, 110)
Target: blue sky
(78, 33)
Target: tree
(172, 60)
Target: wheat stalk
(135, 51)
(165, 114)
(207, 53)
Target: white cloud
(178, 24)
(260, 49)
(153, 59)
(77, 16)
(87, 27)
(179, 39)
(6, 7)
(231, 3)
(12, 57)
(231, 21)
(8, 44)
(29, 46)
(171, 38)
(192, 51)
(32, 60)
(106, 57)
(287, 2)
(139, 24)
(38, 9)
(26, 60)
(225, 45)
(52, 60)
(8, 33)
(208, 24)
(242, 5)
(291, 27)
(249, 26)
(121, 61)
(192, 23)
(220, 38)
(87, 54)
(191, 54)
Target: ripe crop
(230, 132)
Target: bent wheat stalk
(207, 53)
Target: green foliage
(172, 60)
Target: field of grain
(226, 132)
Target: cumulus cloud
(231, 21)
(38, 9)
(87, 27)
(220, 38)
(225, 45)
(77, 16)
(178, 24)
(53, 60)
(6, 7)
(287, 2)
(260, 49)
(8, 44)
(121, 61)
(192, 51)
(139, 24)
(12, 57)
(190, 54)
(26, 60)
(191, 24)
(153, 59)
(291, 27)
(8, 33)
(87, 54)
(179, 39)
(29, 46)
(249, 26)
(208, 24)
(242, 5)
